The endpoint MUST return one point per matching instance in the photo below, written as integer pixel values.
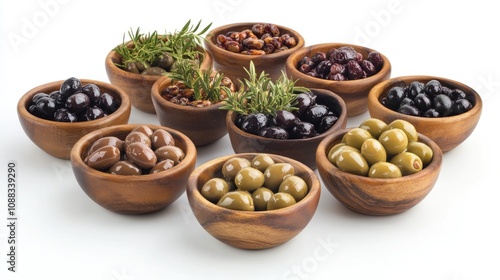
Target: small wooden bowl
(233, 64)
(354, 92)
(256, 229)
(138, 86)
(57, 138)
(202, 125)
(376, 196)
(132, 194)
(447, 132)
(302, 150)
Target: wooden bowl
(233, 64)
(354, 92)
(202, 125)
(302, 150)
(252, 229)
(377, 196)
(57, 138)
(132, 194)
(138, 86)
(447, 132)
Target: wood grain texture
(376, 196)
(447, 132)
(233, 64)
(132, 194)
(302, 150)
(354, 92)
(256, 229)
(202, 125)
(58, 138)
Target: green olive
(423, 151)
(262, 162)
(232, 166)
(373, 151)
(237, 200)
(295, 186)
(155, 71)
(249, 179)
(336, 149)
(214, 189)
(407, 127)
(384, 170)
(408, 163)
(394, 141)
(352, 162)
(355, 137)
(260, 198)
(275, 174)
(374, 126)
(280, 200)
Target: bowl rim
(193, 190)
(378, 90)
(77, 150)
(292, 69)
(125, 105)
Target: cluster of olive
(340, 64)
(255, 185)
(380, 150)
(143, 151)
(73, 102)
(263, 38)
(431, 99)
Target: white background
(453, 234)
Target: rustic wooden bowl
(256, 229)
(233, 64)
(57, 138)
(302, 150)
(132, 194)
(354, 92)
(447, 132)
(138, 86)
(202, 125)
(377, 196)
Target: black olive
(274, 132)
(254, 122)
(409, 110)
(422, 102)
(442, 103)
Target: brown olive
(106, 141)
(214, 189)
(141, 155)
(162, 166)
(260, 198)
(104, 157)
(144, 129)
(295, 186)
(160, 138)
(275, 174)
(125, 167)
(237, 200)
(137, 137)
(173, 153)
(232, 166)
(280, 200)
(249, 179)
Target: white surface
(453, 234)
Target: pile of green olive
(255, 185)
(380, 150)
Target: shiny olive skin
(394, 141)
(103, 158)
(160, 138)
(280, 200)
(141, 155)
(106, 141)
(373, 151)
(144, 129)
(162, 166)
(125, 167)
(384, 170)
(260, 198)
(423, 151)
(352, 162)
(237, 200)
(275, 174)
(408, 163)
(334, 152)
(214, 189)
(407, 127)
(355, 137)
(374, 126)
(262, 162)
(137, 137)
(232, 166)
(173, 153)
(249, 179)
(295, 186)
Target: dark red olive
(376, 59)
(354, 70)
(70, 86)
(254, 122)
(93, 92)
(303, 130)
(108, 103)
(304, 100)
(77, 103)
(315, 113)
(64, 115)
(284, 119)
(326, 123)
(274, 132)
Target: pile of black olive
(73, 102)
(309, 120)
(431, 99)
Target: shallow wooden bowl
(256, 229)
(202, 125)
(447, 132)
(132, 194)
(376, 196)
(138, 86)
(302, 150)
(57, 138)
(233, 64)
(354, 92)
